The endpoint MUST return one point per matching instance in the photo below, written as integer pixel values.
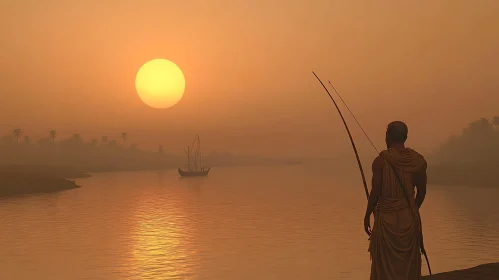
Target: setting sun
(160, 83)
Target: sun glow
(160, 83)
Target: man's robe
(395, 239)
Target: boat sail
(194, 167)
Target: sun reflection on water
(162, 239)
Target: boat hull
(184, 173)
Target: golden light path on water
(162, 239)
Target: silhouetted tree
(27, 140)
(104, 140)
(52, 135)
(161, 150)
(479, 128)
(17, 134)
(124, 136)
(495, 122)
(478, 142)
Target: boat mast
(198, 160)
(196, 147)
(188, 152)
(199, 151)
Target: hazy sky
(71, 65)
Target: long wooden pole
(349, 135)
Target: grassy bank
(482, 272)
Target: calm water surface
(294, 222)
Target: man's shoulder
(413, 150)
(421, 158)
(378, 162)
(417, 153)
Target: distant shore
(488, 271)
(65, 172)
(464, 174)
(32, 179)
(15, 183)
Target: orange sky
(71, 65)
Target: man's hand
(367, 225)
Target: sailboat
(194, 167)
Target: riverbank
(15, 183)
(65, 172)
(482, 272)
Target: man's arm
(420, 179)
(377, 180)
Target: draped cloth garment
(395, 239)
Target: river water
(287, 222)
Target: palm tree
(17, 134)
(124, 136)
(495, 122)
(52, 135)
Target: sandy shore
(482, 272)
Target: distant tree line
(479, 142)
(18, 148)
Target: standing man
(395, 238)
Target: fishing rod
(423, 250)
